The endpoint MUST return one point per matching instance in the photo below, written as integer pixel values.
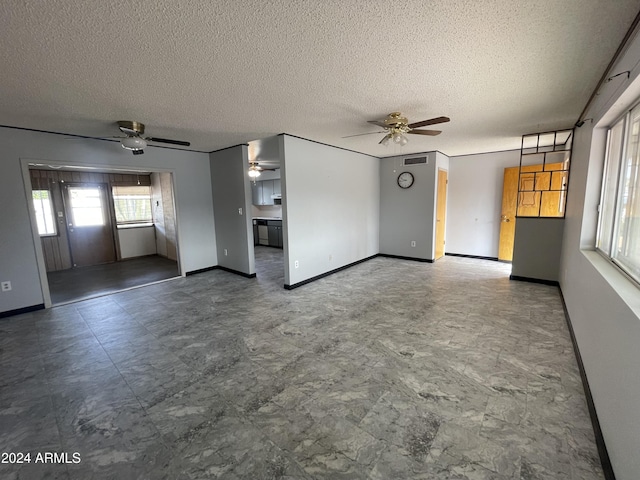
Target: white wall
(232, 207)
(137, 241)
(408, 215)
(475, 202)
(18, 261)
(330, 207)
(604, 306)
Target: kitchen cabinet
(275, 233)
(263, 190)
(267, 192)
(256, 193)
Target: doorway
(508, 216)
(89, 225)
(441, 213)
(525, 193)
(102, 232)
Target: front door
(89, 224)
(441, 212)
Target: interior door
(89, 224)
(441, 212)
(508, 216)
(531, 179)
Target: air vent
(416, 161)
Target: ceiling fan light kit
(134, 143)
(253, 171)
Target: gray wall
(604, 306)
(537, 248)
(330, 207)
(21, 260)
(232, 193)
(475, 202)
(408, 215)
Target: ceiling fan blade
(129, 131)
(360, 134)
(431, 121)
(166, 140)
(426, 132)
(379, 123)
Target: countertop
(267, 218)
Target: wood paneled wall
(169, 216)
(57, 255)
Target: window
(132, 204)
(619, 223)
(86, 206)
(44, 212)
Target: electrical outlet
(226, 252)
(6, 286)
(296, 264)
(240, 211)
(413, 243)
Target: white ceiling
(230, 71)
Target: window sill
(134, 225)
(623, 285)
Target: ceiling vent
(416, 161)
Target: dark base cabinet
(275, 233)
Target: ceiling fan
(396, 126)
(134, 140)
(255, 169)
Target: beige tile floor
(390, 369)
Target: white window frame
(134, 222)
(41, 216)
(614, 233)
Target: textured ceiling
(230, 71)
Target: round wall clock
(405, 179)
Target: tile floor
(387, 370)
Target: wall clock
(405, 179)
